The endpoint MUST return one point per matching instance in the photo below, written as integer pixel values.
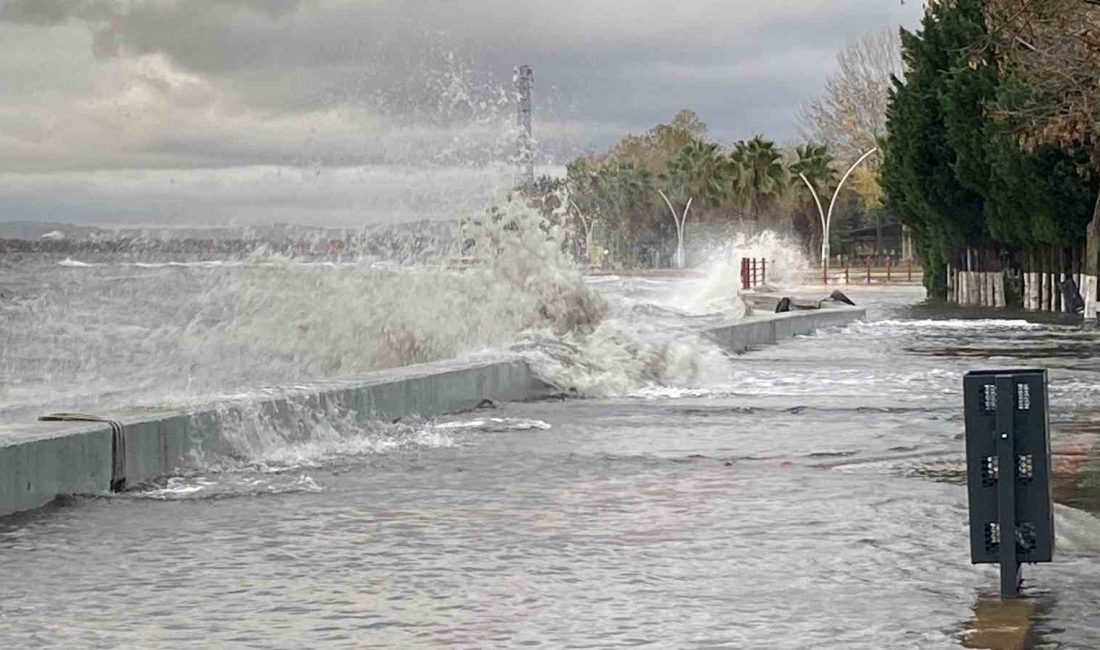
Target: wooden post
(764, 269)
(1026, 271)
(889, 265)
(952, 284)
(1037, 292)
(1073, 268)
(949, 280)
(1055, 283)
(909, 270)
(867, 261)
(847, 266)
(1046, 304)
(1041, 276)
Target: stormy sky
(345, 112)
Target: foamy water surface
(808, 494)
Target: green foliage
(815, 163)
(698, 171)
(620, 190)
(1039, 197)
(758, 175)
(654, 149)
(918, 171)
(951, 171)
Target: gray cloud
(344, 197)
(45, 13)
(203, 84)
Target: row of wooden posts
(1041, 279)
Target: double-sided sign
(1008, 470)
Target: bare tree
(850, 114)
(1053, 48)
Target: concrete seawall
(756, 330)
(40, 461)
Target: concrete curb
(40, 461)
(757, 330)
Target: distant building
(888, 240)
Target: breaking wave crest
(333, 321)
(101, 334)
(104, 333)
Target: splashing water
(101, 333)
(344, 320)
(98, 335)
(787, 266)
(651, 337)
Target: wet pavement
(812, 498)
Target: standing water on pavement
(812, 495)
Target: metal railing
(754, 272)
(870, 270)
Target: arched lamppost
(827, 217)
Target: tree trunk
(1055, 283)
(1092, 245)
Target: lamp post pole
(827, 217)
(680, 222)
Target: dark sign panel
(1008, 468)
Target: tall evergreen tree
(952, 171)
(918, 171)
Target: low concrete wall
(754, 331)
(42, 460)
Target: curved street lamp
(588, 226)
(680, 221)
(827, 218)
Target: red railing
(753, 272)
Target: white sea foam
(784, 266)
(186, 332)
(76, 264)
(495, 424)
(890, 327)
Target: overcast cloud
(343, 112)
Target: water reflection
(1005, 623)
(1076, 464)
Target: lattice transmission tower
(525, 143)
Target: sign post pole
(1006, 487)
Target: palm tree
(698, 172)
(816, 164)
(695, 176)
(758, 172)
